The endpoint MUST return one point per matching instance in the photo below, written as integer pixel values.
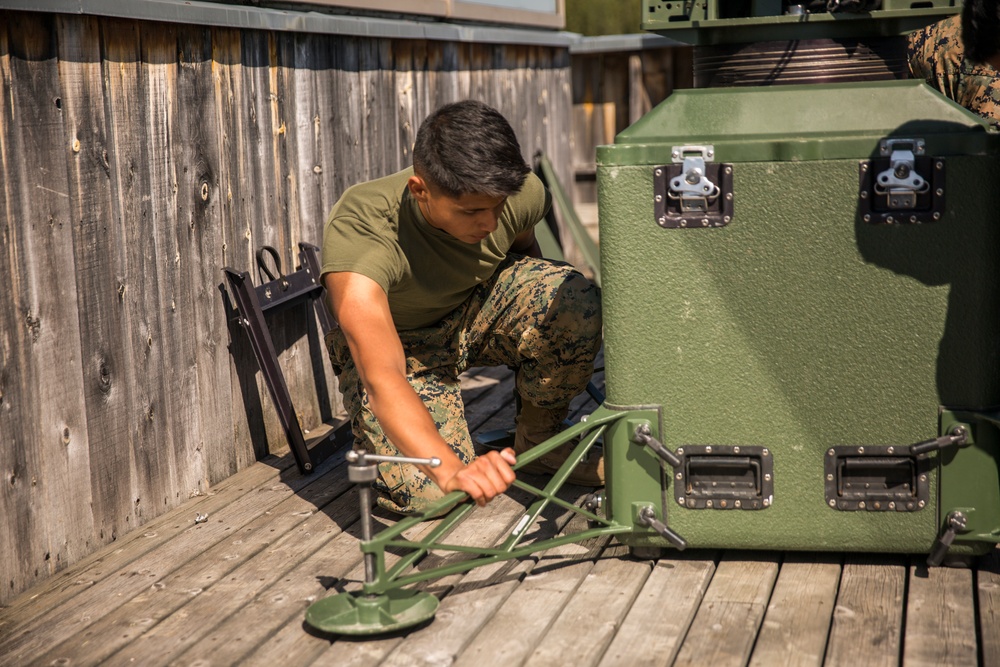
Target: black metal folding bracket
(280, 292)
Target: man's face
(469, 218)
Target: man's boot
(536, 425)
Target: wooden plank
(261, 194)
(215, 582)
(152, 465)
(303, 356)
(98, 240)
(725, 628)
(797, 623)
(405, 79)
(176, 317)
(988, 599)
(588, 624)
(247, 411)
(22, 539)
(45, 436)
(197, 155)
(671, 595)
(940, 617)
(57, 624)
(303, 60)
(341, 121)
(324, 123)
(107, 391)
(868, 617)
(60, 589)
(512, 634)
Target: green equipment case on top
(800, 288)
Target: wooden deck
(226, 579)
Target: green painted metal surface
(801, 122)
(725, 22)
(798, 327)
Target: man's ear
(418, 188)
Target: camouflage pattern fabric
(936, 55)
(540, 317)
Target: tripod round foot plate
(358, 614)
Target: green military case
(800, 289)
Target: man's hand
(485, 478)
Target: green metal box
(801, 303)
(704, 22)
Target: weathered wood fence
(137, 159)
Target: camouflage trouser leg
(540, 317)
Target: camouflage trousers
(541, 318)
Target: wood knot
(104, 378)
(34, 326)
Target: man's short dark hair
(469, 148)
(981, 29)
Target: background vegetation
(603, 17)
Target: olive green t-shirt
(376, 229)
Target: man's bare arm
(362, 311)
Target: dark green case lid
(801, 122)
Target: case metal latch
(693, 191)
(902, 185)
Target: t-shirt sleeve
(529, 205)
(356, 245)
